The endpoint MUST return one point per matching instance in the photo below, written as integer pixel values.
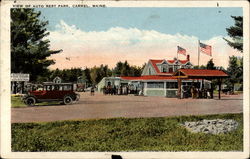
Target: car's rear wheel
(67, 100)
(30, 101)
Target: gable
(149, 69)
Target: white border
(5, 84)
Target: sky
(94, 36)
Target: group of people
(119, 90)
(201, 93)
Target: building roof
(154, 62)
(149, 77)
(200, 73)
(181, 61)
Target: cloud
(131, 44)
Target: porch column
(165, 88)
(179, 88)
(219, 82)
(145, 89)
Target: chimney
(188, 57)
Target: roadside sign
(20, 77)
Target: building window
(170, 70)
(164, 69)
(176, 67)
(188, 65)
(149, 71)
(155, 84)
(172, 85)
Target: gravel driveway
(100, 106)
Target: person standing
(92, 91)
(104, 90)
(192, 91)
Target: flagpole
(177, 57)
(198, 53)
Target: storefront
(203, 74)
(166, 86)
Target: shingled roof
(200, 73)
(154, 62)
(149, 77)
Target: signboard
(20, 77)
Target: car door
(48, 93)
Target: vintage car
(62, 92)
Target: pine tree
(29, 48)
(236, 33)
(234, 72)
(117, 69)
(86, 75)
(210, 65)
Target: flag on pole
(207, 49)
(180, 50)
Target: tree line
(92, 75)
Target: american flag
(207, 49)
(180, 50)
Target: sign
(20, 77)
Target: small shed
(200, 74)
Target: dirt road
(100, 106)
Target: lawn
(121, 134)
(16, 102)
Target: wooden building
(167, 78)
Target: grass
(120, 134)
(16, 102)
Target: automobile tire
(30, 101)
(67, 100)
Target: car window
(49, 87)
(60, 88)
(56, 88)
(67, 87)
(39, 89)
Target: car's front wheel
(67, 100)
(30, 101)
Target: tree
(210, 65)
(236, 33)
(94, 75)
(135, 71)
(240, 70)
(125, 69)
(86, 76)
(117, 69)
(234, 71)
(200, 67)
(29, 49)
